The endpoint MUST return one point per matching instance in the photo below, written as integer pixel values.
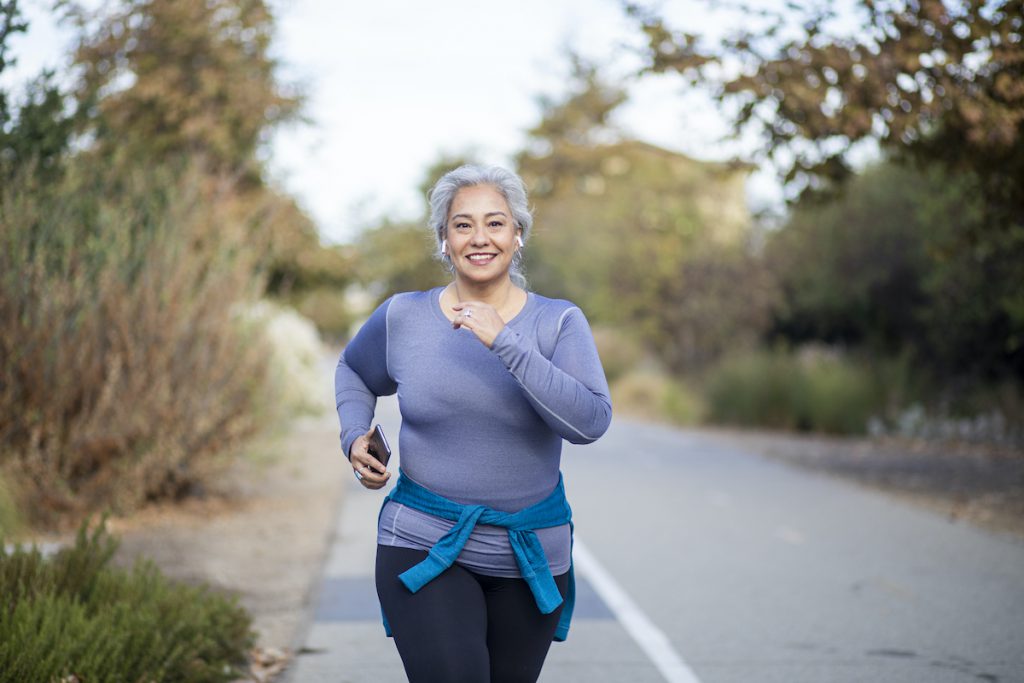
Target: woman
(490, 379)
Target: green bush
(811, 391)
(75, 615)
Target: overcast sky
(392, 84)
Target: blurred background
(796, 216)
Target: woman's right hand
(370, 472)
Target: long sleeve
(570, 391)
(361, 376)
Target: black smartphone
(378, 446)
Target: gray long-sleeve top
(479, 426)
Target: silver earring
(520, 240)
(444, 247)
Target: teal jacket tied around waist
(533, 564)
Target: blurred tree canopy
(938, 79)
(36, 130)
(643, 239)
(190, 77)
(400, 256)
(182, 85)
(935, 83)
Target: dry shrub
(656, 396)
(294, 359)
(123, 370)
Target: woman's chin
(481, 276)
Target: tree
(10, 24)
(399, 256)
(190, 77)
(935, 82)
(930, 77)
(642, 238)
(37, 130)
(195, 80)
(853, 265)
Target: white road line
(649, 637)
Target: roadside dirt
(261, 534)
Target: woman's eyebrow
(486, 215)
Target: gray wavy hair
(504, 181)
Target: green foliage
(641, 237)
(851, 264)
(934, 78)
(10, 519)
(327, 308)
(813, 391)
(399, 257)
(39, 134)
(301, 271)
(76, 615)
(579, 119)
(10, 24)
(36, 131)
(190, 77)
(880, 265)
(940, 83)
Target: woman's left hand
(479, 318)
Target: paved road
(751, 570)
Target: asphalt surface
(711, 564)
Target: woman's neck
(507, 300)
(496, 294)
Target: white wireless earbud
(444, 247)
(520, 240)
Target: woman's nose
(479, 236)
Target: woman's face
(481, 235)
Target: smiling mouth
(481, 259)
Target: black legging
(464, 626)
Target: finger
(372, 484)
(371, 480)
(371, 468)
(367, 465)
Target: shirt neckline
(435, 304)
